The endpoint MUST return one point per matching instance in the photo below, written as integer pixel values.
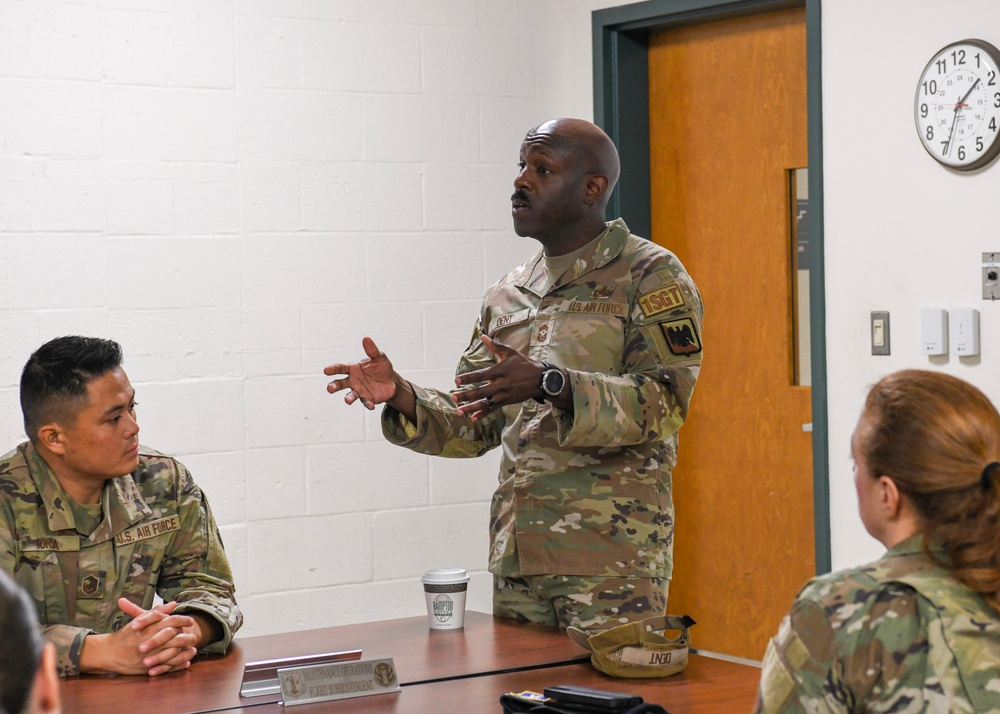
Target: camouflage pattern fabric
(898, 635)
(587, 493)
(157, 537)
(590, 604)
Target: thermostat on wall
(934, 330)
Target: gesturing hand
(512, 380)
(371, 380)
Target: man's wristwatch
(553, 380)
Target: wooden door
(727, 124)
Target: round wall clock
(957, 106)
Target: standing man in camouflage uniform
(919, 629)
(581, 369)
(93, 525)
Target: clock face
(957, 106)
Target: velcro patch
(513, 318)
(91, 585)
(44, 543)
(543, 333)
(600, 308)
(148, 530)
(649, 657)
(657, 301)
(682, 337)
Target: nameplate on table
(343, 680)
(261, 678)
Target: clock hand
(961, 102)
(958, 107)
(954, 120)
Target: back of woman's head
(936, 436)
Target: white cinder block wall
(238, 191)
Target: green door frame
(621, 108)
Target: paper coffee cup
(444, 591)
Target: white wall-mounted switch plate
(964, 323)
(934, 330)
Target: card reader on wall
(934, 330)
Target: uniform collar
(603, 249)
(121, 501)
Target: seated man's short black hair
(54, 380)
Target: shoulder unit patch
(682, 337)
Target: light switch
(934, 330)
(965, 331)
(880, 332)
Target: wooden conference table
(463, 671)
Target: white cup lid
(445, 576)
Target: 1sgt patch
(682, 337)
(657, 301)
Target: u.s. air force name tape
(326, 682)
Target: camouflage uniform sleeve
(68, 642)
(799, 664)
(649, 400)
(439, 430)
(196, 572)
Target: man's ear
(594, 188)
(45, 691)
(51, 436)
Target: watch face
(553, 382)
(957, 105)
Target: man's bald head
(584, 140)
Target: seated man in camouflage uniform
(94, 526)
(28, 680)
(581, 369)
(918, 630)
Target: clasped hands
(513, 379)
(156, 641)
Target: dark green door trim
(621, 108)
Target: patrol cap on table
(639, 649)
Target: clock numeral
(923, 110)
(993, 124)
(996, 99)
(930, 132)
(930, 87)
(979, 143)
(942, 65)
(992, 82)
(959, 57)
(961, 153)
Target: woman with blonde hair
(919, 629)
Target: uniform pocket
(39, 573)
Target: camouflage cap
(638, 649)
